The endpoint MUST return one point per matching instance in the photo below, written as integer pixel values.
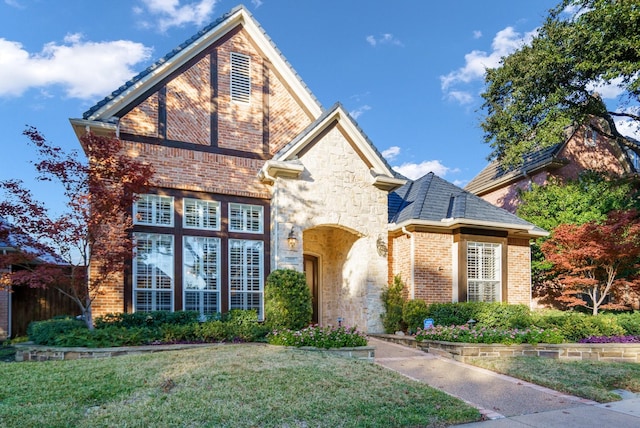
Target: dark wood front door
(311, 272)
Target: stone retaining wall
(620, 352)
(31, 352)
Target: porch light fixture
(292, 239)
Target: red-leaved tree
(77, 251)
(598, 260)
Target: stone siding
(614, 352)
(342, 215)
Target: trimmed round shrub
(414, 313)
(287, 300)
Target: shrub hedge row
(152, 328)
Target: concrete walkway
(504, 401)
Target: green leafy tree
(551, 84)
(589, 198)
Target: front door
(311, 272)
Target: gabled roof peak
(239, 15)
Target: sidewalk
(503, 400)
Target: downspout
(274, 215)
(412, 293)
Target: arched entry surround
(341, 280)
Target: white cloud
(359, 111)
(477, 34)
(83, 69)
(384, 39)
(256, 3)
(391, 152)
(417, 170)
(628, 127)
(171, 13)
(476, 62)
(461, 97)
(610, 90)
(14, 3)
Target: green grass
(221, 386)
(588, 379)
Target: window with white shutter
(484, 272)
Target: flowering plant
(477, 334)
(611, 339)
(319, 337)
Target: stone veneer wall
(619, 352)
(342, 215)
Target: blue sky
(410, 72)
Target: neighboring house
(252, 175)
(20, 305)
(585, 148)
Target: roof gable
(384, 175)
(120, 99)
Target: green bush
(46, 332)
(414, 313)
(393, 302)
(287, 300)
(478, 334)
(244, 326)
(109, 336)
(147, 319)
(630, 321)
(492, 315)
(577, 325)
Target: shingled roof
(434, 201)
(496, 173)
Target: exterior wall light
(292, 240)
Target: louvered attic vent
(240, 78)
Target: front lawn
(223, 386)
(588, 379)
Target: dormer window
(240, 78)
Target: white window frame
(487, 281)
(195, 275)
(202, 209)
(160, 214)
(247, 211)
(246, 276)
(157, 274)
(240, 82)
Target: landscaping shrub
(244, 326)
(109, 336)
(414, 313)
(287, 300)
(479, 334)
(576, 325)
(46, 332)
(630, 321)
(393, 302)
(494, 314)
(147, 319)
(319, 337)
